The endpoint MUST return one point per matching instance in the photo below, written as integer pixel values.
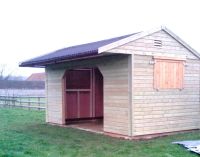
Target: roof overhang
(104, 50)
(43, 64)
(56, 60)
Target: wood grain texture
(165, 110)
(54, 111)
(168, 74)
(116, 96)
(116, 91)
(145, 46)
(153, 111)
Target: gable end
(155, 42)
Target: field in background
(24, 133)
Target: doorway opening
(84, 98)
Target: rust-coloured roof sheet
(36, 77)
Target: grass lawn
(24, 133)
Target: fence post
(0, 102)
(39, 102)
(29, 103)
(7, 101)
(4, 100)
(20, 103)
(13, 100)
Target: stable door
(78, 94)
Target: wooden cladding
(168, 74)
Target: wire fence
(29, 102)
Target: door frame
(92, 89)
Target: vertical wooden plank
(84, 104)
(165, 69)
(181, 74)
(160, 74)
(91, 105)
(72, 105)
(78, 104)
(156, 74)
(173, 68)
(93, 93)
(168, 74)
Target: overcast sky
(29, 28)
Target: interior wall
(84, 94)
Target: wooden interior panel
(72, 107)
(78, 79)
(84, 93)
(84, 104)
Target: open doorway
(84, 98)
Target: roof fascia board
(43, 65)
(177, 38)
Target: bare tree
(5, 73)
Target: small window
(168, 74)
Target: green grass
(24, 133)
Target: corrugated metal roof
(73, 52)
(193, 146)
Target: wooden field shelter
(140, 84)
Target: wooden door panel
(84, 93)
(72, 105)
(85, 104)
(78, 79)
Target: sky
(30, 28)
